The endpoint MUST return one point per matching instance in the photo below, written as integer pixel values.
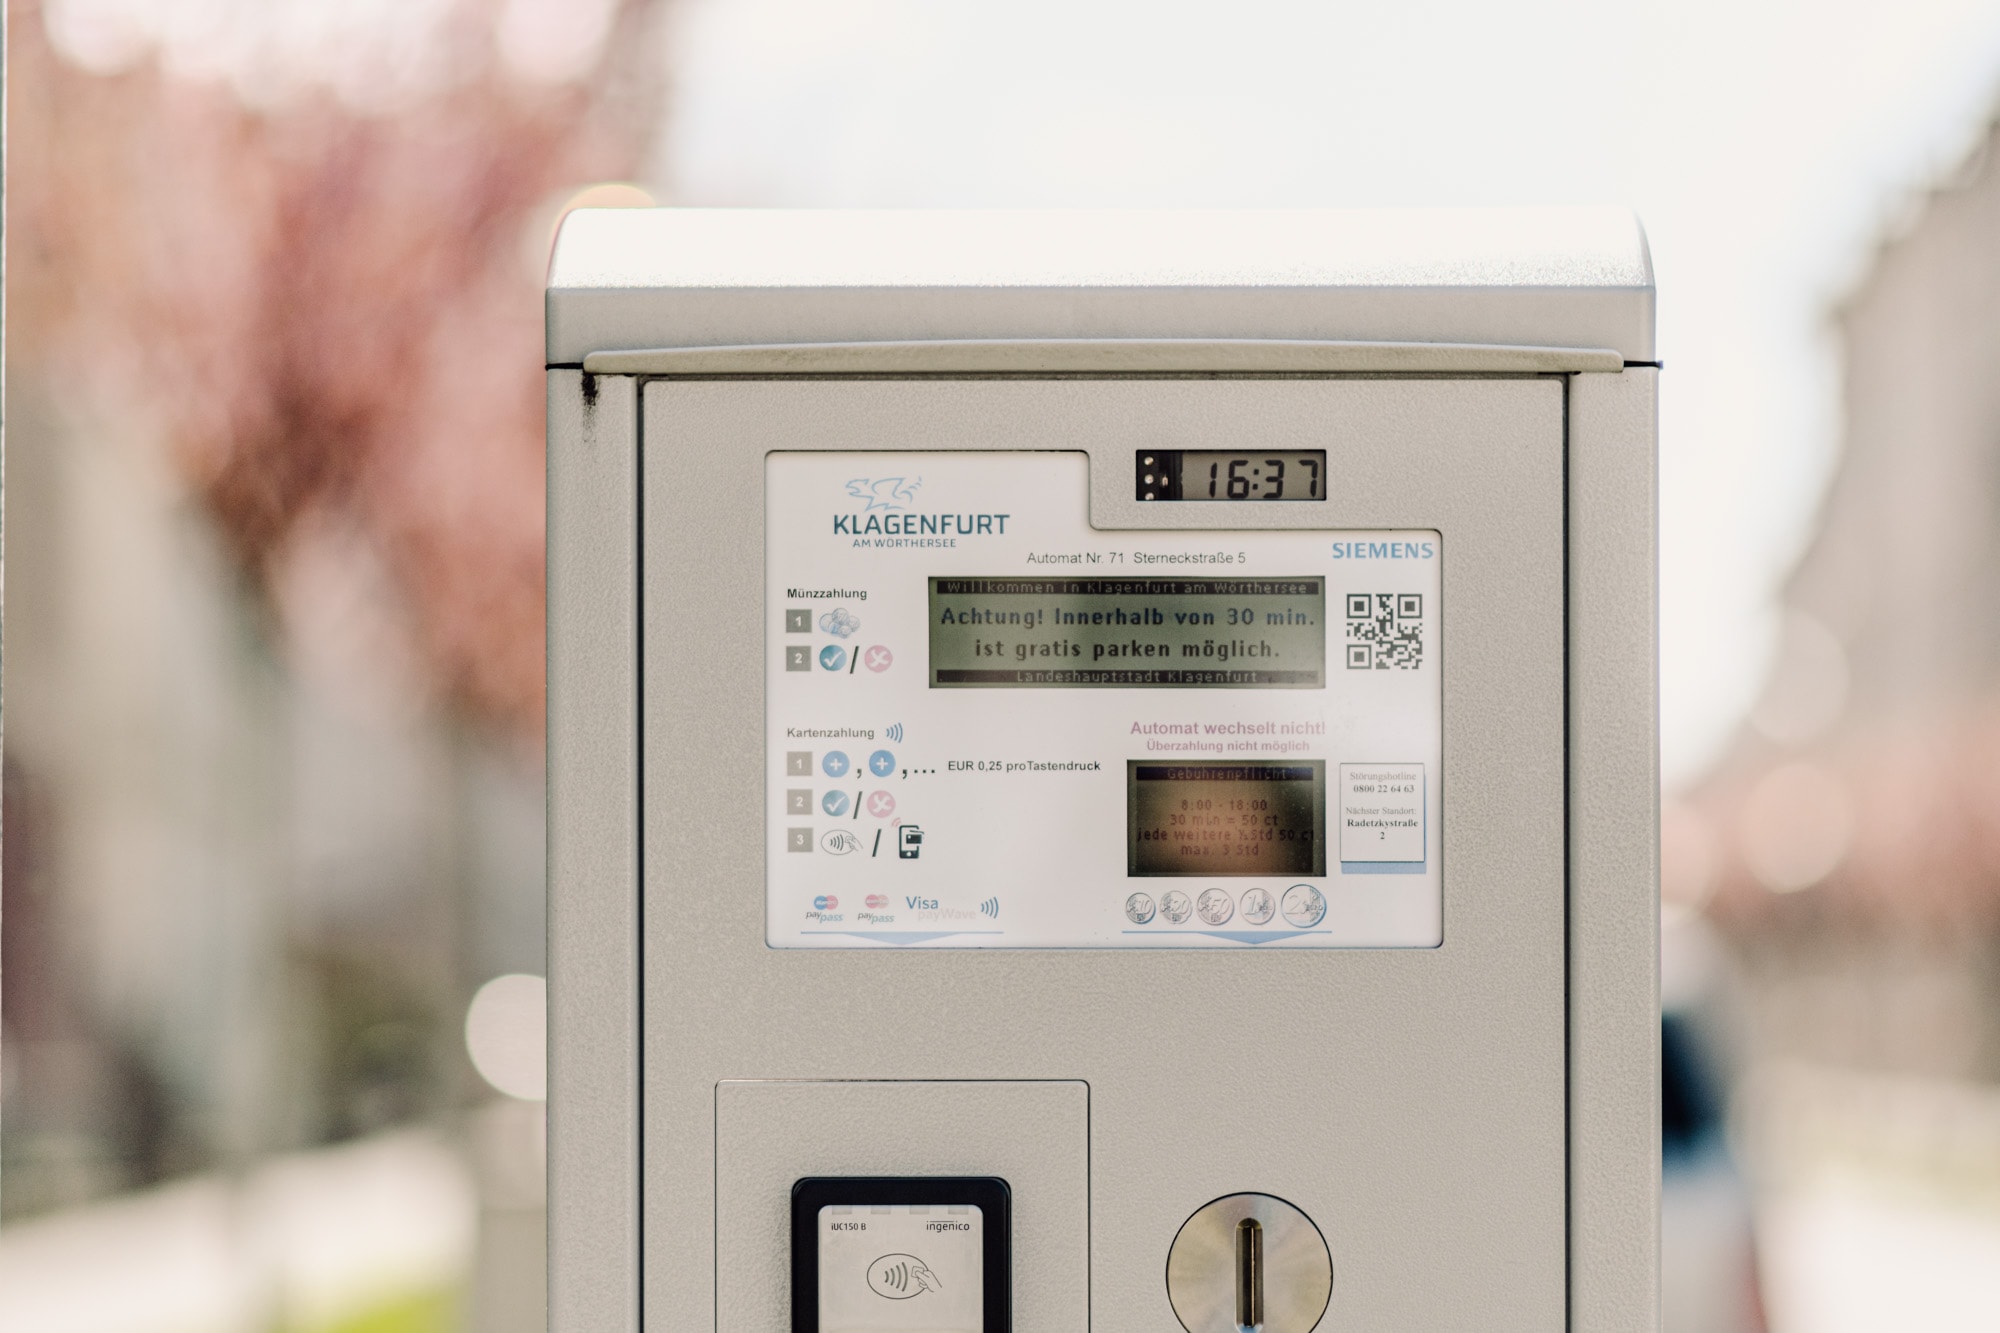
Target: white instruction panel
(991, 725)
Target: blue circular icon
(834, 803)
(834, 764)
(833, 657)
(881, 763)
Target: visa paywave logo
(889, 510)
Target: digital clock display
(1189, 474)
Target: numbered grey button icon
(798, 839)
(798, 802)
(799, 657)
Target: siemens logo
(1384, 550)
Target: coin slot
(1249, 1275)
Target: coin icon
(1259, 906)
(1176, 906)
(1214, 906)
(1139, 908)
(1304, 905)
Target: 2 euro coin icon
(1304, 905)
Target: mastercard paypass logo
(877, 901)
(826, 902)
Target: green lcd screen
(1128, 633)
(1225, 819)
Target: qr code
(1385, 630)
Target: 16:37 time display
(1190, 474)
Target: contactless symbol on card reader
(901, 1276)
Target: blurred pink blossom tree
(323, 295)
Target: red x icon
(877, 658)
(881, 804)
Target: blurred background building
(270, 971)
(1847, 847)
(1855, 826)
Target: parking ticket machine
(1102, 772)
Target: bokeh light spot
(506, 1034)
(1795, 826)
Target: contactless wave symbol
(894, 731)
(991, 907)
(901, 1276)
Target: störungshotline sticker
(1382, 808)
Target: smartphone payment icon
(909, 841)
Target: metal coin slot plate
(1249, 1263)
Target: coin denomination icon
(1304, 905)
(1139, 908)
(1259, 906)
(1176, 906)
(1214, 906)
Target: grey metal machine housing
(1473, 1128)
